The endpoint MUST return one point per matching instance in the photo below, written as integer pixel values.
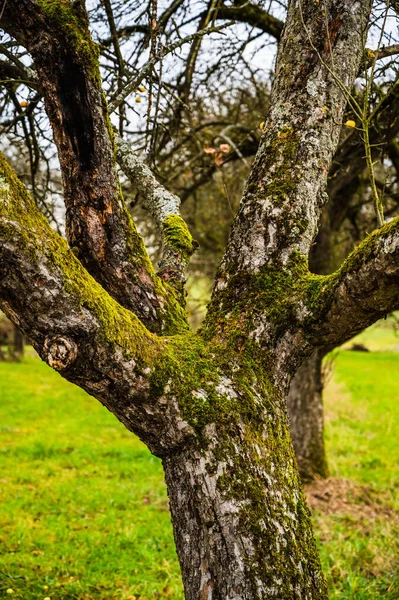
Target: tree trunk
(18, 342)
(240, 521)
(305, 409)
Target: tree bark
(237, 537)
(211, 405)
(305, 397)
(305, 408)
(98, 225)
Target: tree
(211, 405)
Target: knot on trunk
(60, 352)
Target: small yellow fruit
(45, 587)
(350, 123)
(138, 100)
(261, 125)
(23, 104)
(142, 88)
(10, 591)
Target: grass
(83, 506)
(360, 550)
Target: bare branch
(383, 52)
(164, 207)
(148, 67)
(253, 15)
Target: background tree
(211, 404)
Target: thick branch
(279, 214)
(75, 326)
(362, 291)
(253, 15)
(98, 225)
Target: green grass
(83, 506)
(360, 551)
(380, 337)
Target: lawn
(360, 537)
(83, 506)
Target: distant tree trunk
(18, 342)
(305, 409)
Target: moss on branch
(70, 18)
(39, 246)
(177, 236)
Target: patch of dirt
(343, 496)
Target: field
(83, 507)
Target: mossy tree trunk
(236, 535)
(212, 404)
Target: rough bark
(231, 487)
(187, 399)
(279, 213)
(98, 225)
(305, 397)
(164, 207)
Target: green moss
(172, 314)
(191, 369)
(72, 21)
(22, 221)
(177, 235)
(119, 327)
(285, 296)
(283, 148)
(271, 293)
